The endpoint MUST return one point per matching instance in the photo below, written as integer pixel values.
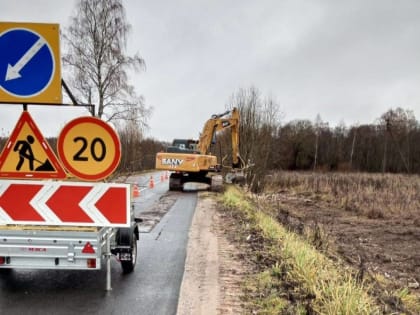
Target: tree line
(386, 145)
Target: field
(370, 222)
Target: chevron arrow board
(64, 203)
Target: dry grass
(372, 195)
(389, 204)
(303, 280)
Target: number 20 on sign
(89, 148)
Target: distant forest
(391, 144)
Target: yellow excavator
(191, 160)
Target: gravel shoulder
(213, 274)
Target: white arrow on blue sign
(26, 62)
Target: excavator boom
(218, 123)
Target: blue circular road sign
(26, 62)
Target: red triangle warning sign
(27, 154)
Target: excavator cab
(183, 146)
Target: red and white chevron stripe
(64, 203)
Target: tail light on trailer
(91, 263)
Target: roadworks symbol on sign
(27, 154)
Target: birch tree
(98, 65)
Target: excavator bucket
(235, 177)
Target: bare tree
(95, 55)
(353, 144)
(398, 123)
(258, 127)
(318, 126)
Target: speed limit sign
(89, 148)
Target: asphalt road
(153, 287)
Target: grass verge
(291, 276)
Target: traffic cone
(162, 178)
(151, 183)
(166, 175)
(136, 191)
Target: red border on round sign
(111, 132)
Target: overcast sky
(348, 61)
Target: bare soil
(389, 247)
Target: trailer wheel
(128, 265)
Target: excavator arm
(229, 119)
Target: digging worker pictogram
(24, 148)
(25, 152)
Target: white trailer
(56, 240)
